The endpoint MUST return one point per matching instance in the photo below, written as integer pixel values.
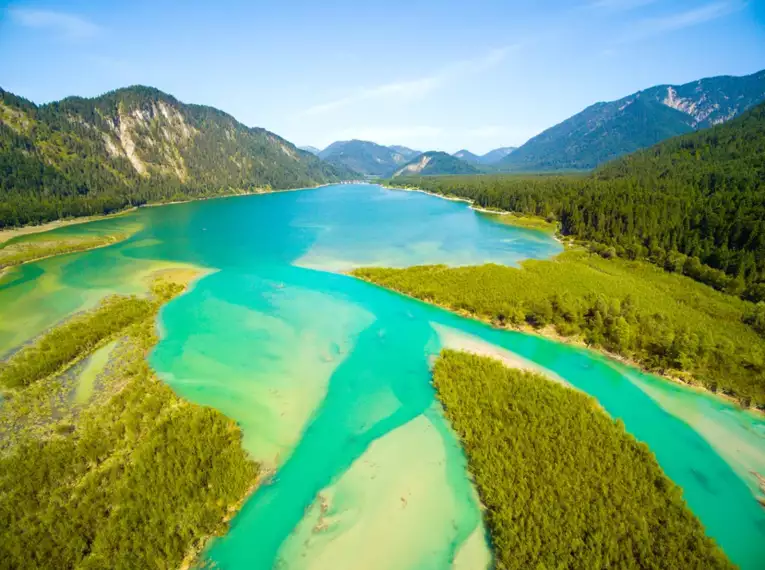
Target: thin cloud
(414, 88)
(681, 20)
(68, 26)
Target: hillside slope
(607, 130)
(494, 156)
(364, 157)
(467, 156)
(435, 163)
(131, 146)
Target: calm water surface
(329, 376)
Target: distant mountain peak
(367, 157)
(607, 130)
(467, 156)
(435, 163)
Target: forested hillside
(80, 156)
(366, 157)
(604, 131)
(693, 205)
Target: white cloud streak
(67, 26)
(414, 88)
(680, 20)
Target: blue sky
(430, 75)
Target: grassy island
(564, 485)
(666, 322)
(26, 251)
(132, 477)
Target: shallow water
(329, 376)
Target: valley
(506, 309)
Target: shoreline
(549, 333)
(112, 240)
(472, 205)
(7, 234)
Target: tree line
(694, 204)
(665, 322)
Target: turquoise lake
(329, 376)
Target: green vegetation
(693, 205)
(366, 157)
(564, 486)
(135, 477)
(80, 157)
(664, 321)
(64, 344)
(605, 131)
(520, 221)
(16, 253)
(435, 163)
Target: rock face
(137, 144)
(434, 163)
(606, 130)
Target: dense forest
(132, 146)
(564, 486)
(133, 478)
(666, 322)
(694, 204)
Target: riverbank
(630, 312)
(513, 361)
(7, 234)
(102, 463)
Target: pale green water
(329, 376)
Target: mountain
(435, 162)
(365, 157)
(607, 130)
(467, 156)
(406, 152)
(131, 146)
(491, 157)
(497, 154)
(311, 149)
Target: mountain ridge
(366, 157)
(84, 156)
(607, 130)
